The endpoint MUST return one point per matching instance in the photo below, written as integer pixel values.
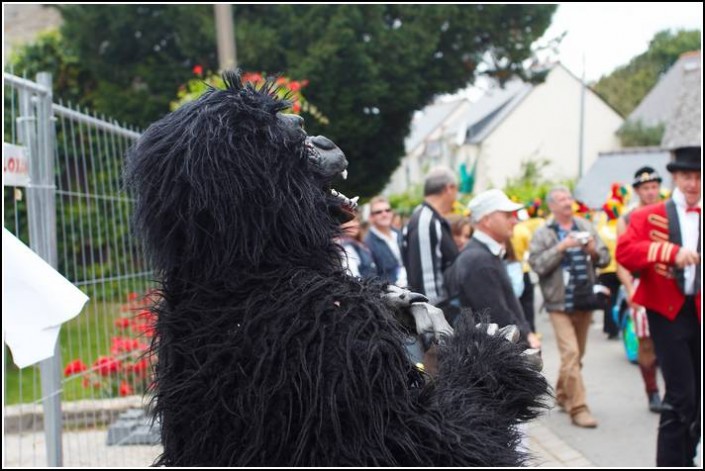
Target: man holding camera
(564, 253)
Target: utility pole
(225, 33)
(582, 122)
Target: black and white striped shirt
(427, 250)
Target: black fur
(268, 354)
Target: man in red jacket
(662, 243)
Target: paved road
(626, 434)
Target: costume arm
(468, 415)
(635, 249)
(485, 386)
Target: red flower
(122, 323)
(133, 296)
(125, 389)
(125, 344)
(144, 329)
(140, 368)
(106, 365)
(145, 316)
(296, 107)
(75, 367)
(198, 70)
(253, 77)
(294, 86)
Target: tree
(49, 53)
(531, 186)
(637, 134)
(139, 55)
(626, 86)
(369, 66)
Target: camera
(582, 236)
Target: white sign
(36, 301)
(15, 169)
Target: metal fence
(75, 215)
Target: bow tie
(694, 209)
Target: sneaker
(582, 418)
(655, 404)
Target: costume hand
(430, 320)
(511, 333)
(401, 298)
(431, 324)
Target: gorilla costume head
(229, 182)
(268, 354)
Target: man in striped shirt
(428, 247)
(564, 253)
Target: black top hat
(685, 158)
(645, 175)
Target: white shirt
(351, 261)
(689, 223)
(495, 247)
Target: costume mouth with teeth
(327, 160)
(267, 352)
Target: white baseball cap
(490, 201)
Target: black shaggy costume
(268, 353)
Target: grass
(86, 337)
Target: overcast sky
(610, 34)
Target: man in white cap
(478, 277)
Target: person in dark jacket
(384, 242)
(478, 277)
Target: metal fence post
(41, 211)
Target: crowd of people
(486, 263)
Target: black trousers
(611, 281)
(527, 301)
(678, 352)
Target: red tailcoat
(646, 248)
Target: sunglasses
(380, 211)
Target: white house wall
(413, 167)
(546, 125)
